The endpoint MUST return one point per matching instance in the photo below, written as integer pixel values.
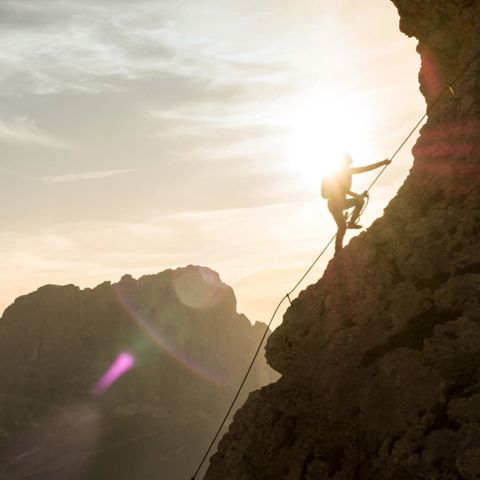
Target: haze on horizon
(140, 137)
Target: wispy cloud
(23, 130)
(60, 46)
(72, 177)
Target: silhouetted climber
(336, 189)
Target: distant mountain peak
(125, 378)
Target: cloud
(72, 177)
(23, 130)
(216, 131)
(62, 47)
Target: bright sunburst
(323, 128)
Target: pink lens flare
(150, 329)
(121, 365)
(430, 74)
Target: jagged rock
(380, 360)
(190, 348)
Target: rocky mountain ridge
(125, 380)
(380, 359)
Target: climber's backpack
(327, 187)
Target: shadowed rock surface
(190, 348)
(380, 360)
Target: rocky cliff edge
(380, 360)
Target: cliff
(177, 348)
(380, 359)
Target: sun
(323, 127)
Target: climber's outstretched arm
(368, 168)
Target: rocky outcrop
(380, 360)
(179, 347)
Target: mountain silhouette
(125, 380)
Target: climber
(335, 189)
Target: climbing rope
(365, 204)
(449, 87)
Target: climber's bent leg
(358, 204)
(339, 238)
(337, 214)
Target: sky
(140, 136)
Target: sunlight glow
(323, 128)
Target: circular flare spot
(200, 288)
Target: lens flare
(430, 74)
(71, 433)
(197, 293)
(152, 330)
(120, 366)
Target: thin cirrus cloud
(24, 130)
(217, 131)
(72, 177)
(56, 47)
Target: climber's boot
(353, 225)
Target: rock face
(380, 360)
(179, 348)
